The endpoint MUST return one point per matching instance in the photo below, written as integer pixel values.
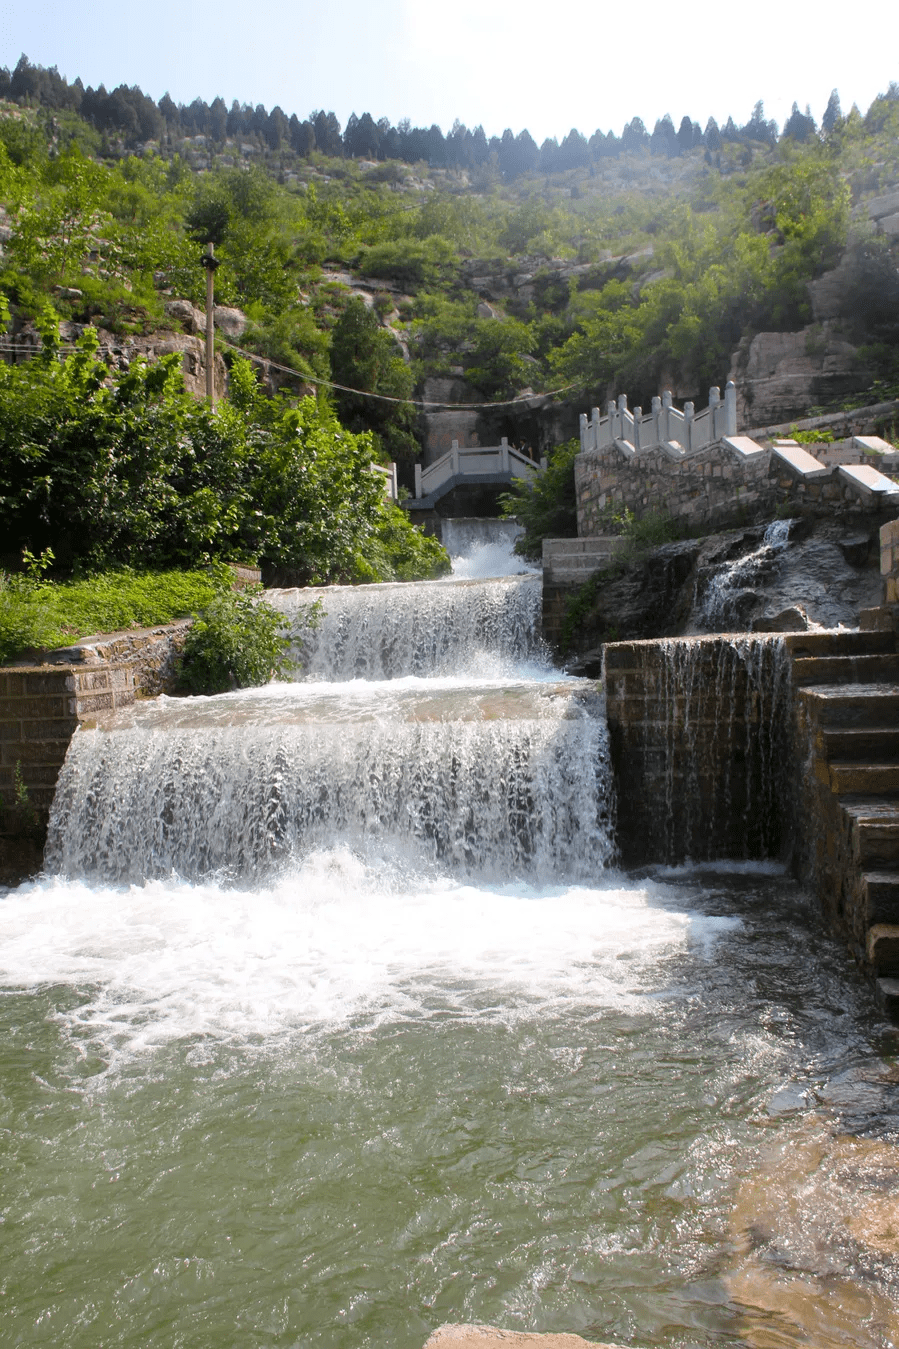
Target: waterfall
(330, 999)
(483, 548)
(721, 705)
(720, 605)
(516, 792)
(485, 627)
(427, 728)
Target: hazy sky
(546, 66)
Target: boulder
(232, 323)
(192, 320)
(794, 619)
(887, 205)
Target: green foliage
(495, 364)
(814, 436)
(132, 470)
(545, 505)
(400, 551)
(680, 272)
(641, 532)
(410, 262)
(239, 641)
(365, 356)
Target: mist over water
(332, 1021)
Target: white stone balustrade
(477, 462)
(665, 427)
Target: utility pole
(210, 262)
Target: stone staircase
(846, 708)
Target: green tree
(365, 356)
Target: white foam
(334, 941)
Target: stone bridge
(473, 466)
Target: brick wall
(41, 707)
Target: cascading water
(331, 1022)
(483, 548)
(723, 706)
(470, 628)
(719, 608)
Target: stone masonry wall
(714, 489)
(41, 706)
(889, 561)
(696, 732)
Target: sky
(547, 66)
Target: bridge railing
(665, 427)
(461, 461)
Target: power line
(385, 398)
(327, 383)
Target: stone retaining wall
(889, 561)
(697, 730)
(716, 488)
(41, 706)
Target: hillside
(473, 275)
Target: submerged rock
(489, 1337)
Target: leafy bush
(545, 506)
(239, 641)
(401, 552)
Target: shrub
(238, 642)
(545, 506)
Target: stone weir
(779, 747)
(42, 705)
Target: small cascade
(700, 726)
(483, 548)
(723, 705)
(495, 783)
(721, 607)
(430, 628)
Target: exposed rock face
(193, 320)
(781, 375)
(120, 350)
(736, 581)
(232, 323)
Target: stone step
(860, 705)
(874, 831)
(851, 744)
(861, 669)
(868, 779)
(869, 642)
(881, 896)
(883, 949)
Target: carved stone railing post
(714, 405)
(730, 409)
